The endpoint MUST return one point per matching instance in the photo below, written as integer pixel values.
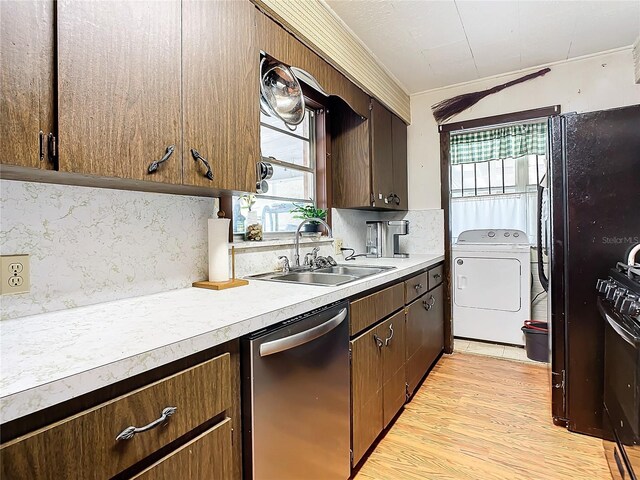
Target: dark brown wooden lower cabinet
(378, 381)
(366, 391)
(425, 335)
(206, 457)
(394, 372)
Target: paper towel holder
(231, 283)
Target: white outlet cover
(14, 274)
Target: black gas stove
(619, 305)
(622, 290)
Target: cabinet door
(394, 372)
(119, 88)
(381, 155)
(366, 390)
(26, 81)
(416, 333)
(206, 457)
(220, 62)
(399, 147)
(434, 326)
(351, 165)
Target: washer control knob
(506, 234)
(491, 234)
(516, 234)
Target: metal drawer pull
(436, 276)
(153, 166)
(426, 305)
(388, 340)
(432, 301)
(129, 432)
(196, 156)
(378, 341)
(418, 287)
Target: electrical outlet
(14, 274)
(338, 244)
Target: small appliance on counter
(382, 238)
(619, 305)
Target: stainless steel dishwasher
(296, 398)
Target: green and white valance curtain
(505, 142)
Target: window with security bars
(291, 151)
(496, 194)
(495, 177)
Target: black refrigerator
(594, 219)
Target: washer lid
(493, 237)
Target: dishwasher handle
(292, 341)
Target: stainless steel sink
(359, 272)
(328, 277)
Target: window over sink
(291, 152)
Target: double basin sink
(328, 277)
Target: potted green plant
(303, 212)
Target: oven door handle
(292, 341)
(623, 333)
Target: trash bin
(536, 338)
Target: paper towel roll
(219, 249)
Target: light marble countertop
(53, 357)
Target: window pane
(291, 183)
(468, 179)
(302, 130)
(533, 171)
(482, 178)
(542, 166)
(284, 147)
(274, 214)
(456, 180)
(509, 172)
(495, 169)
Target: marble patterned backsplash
(426, 229)
(92, 245)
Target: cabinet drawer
(85, 446)
(368, 310)
(206, 457)
(415, 286)
(435, 276)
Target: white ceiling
(429, 44)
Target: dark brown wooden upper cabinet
(220, 73)
(119, 89)
(381, 156)
(26, 82)
(369, 159)
(399, 147)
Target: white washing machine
(491, 285)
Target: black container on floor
(536, 337)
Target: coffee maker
(382, 238)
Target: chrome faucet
(296, 258)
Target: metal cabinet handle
(436, 276)
(426, 305)
(153, 166)
(388, 339)
(418, 286)
(432, 301)
(378, 341)
(129, 432)
(196, 156)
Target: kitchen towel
(219, 249)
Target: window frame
(321, 162)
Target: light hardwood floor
(483, 418)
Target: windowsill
(277, 242)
